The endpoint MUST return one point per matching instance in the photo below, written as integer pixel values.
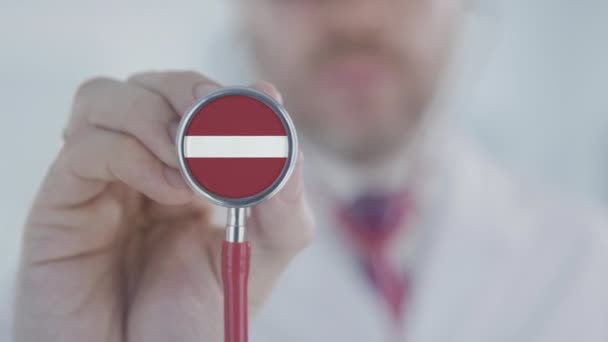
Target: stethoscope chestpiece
(236, 147)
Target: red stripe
(235, 177)
(236, 115)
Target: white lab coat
(495, 261)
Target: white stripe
(235, 146)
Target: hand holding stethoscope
(237, 147)
(117, 247)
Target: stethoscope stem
(235, 229)
(236, 254)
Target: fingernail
(269, 89)
(175, 179)
(279, 96)
(203, 89)
(295, 186)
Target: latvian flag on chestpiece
(235, 146)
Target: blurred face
(355, 74)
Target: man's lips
(357, 73)
(356, 88)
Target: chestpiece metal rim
(281, 180)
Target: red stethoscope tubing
(236, 258)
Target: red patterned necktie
(369, 223)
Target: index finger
(179, 88)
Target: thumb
(278, 229)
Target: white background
(539, 103)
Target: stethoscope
(236, 147)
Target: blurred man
(418, 238)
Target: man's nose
(357, 17)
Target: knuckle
(86, 94)
(134, 78)
(180, 75)
(140, 103)
(69, 151)
(91, 85)
(147, 115)
(178, 78)
(72, 159)
(152, 107)
(129, 145)
(130, 162)
(135, 159)
(112, 212)
(156, 103)
(63, 159)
